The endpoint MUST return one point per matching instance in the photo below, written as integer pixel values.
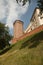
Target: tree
(23, 1)
(40, 4)
(4, 36)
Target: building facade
(35, 21)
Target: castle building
(36, 20)
(18, 28)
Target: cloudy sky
(11, 11)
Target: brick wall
(18, 29)
(40, 28)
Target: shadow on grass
(6, 49)
(33, 41)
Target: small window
(41, 17)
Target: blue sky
(27, 16)
(10, 11)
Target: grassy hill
(28, 51)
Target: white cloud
(15, 11)
(12, 10)
(2, 9)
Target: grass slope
(28, 51)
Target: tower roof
(18, 21)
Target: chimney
(18, 28)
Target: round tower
(18, 28)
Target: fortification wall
(40, 28)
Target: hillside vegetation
(28, 51)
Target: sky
(11, 11)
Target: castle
(36, 21)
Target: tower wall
(18, 28)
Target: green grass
(28, 51)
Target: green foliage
(24, 1)
(5, 49)
(4, 36)
(40, 4)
